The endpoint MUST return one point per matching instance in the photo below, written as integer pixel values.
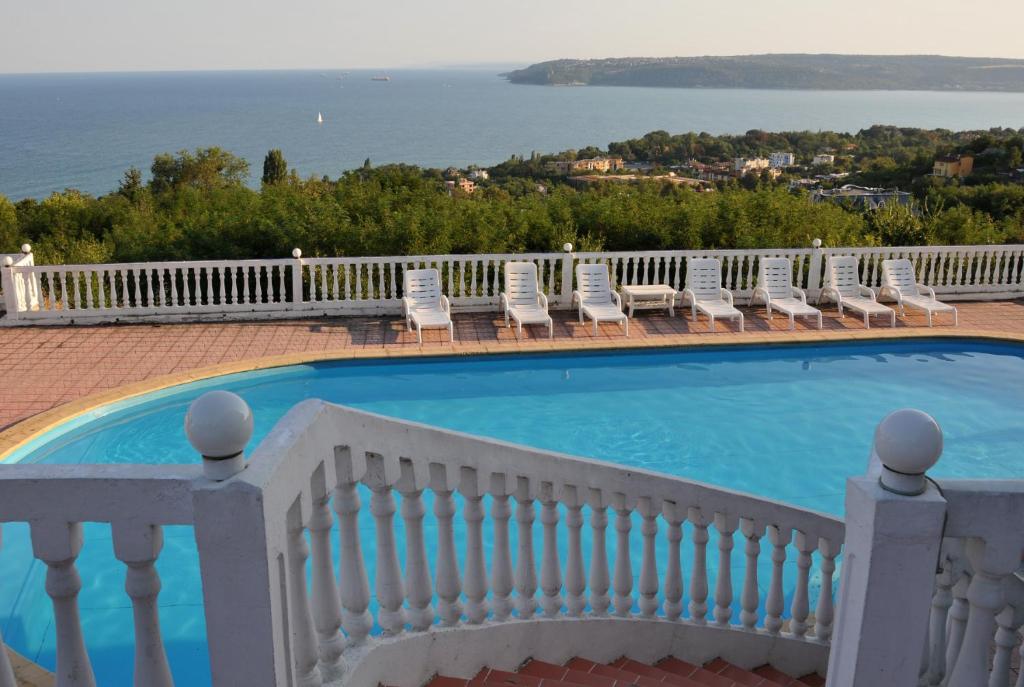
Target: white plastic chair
(595, 296)
(900, 284)
(705, 293)
(522, 299)
(844, 287)
(423, 304)
(775, 287)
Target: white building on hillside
(823, 159)
(780, 160)
(742, 165)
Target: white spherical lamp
(816, 243)
(567, 247)
(296, 253)
(219, 424)
(908, 442)
(8, 261)
(26, 249)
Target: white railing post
(244, 622)
(417, 569)
(568, 262)
(501, 562)
(894, 522)
(297, 277)
(814, 271)
(7, 284)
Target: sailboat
(319, 118)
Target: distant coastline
(787, 72)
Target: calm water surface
(84, 130)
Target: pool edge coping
(23, 431)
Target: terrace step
(626, 672)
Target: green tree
(275, 167)
(897, 225)
(8, 226)
(131, 183)
(207, 169)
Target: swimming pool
(790, 422)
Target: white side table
(649, 297)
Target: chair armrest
(799, 293)
(446, 304)
(930, 290)
(726, 295)
(866, 291)
(617, 298)
(688, 296)
(406, 302)
(576, 297)
(504, 301)
(543, 300)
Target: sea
(83, 131)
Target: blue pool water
(791, 423)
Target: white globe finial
(296, 253)
(816, 243)
(567, 247)
(8, 261)
(907, 442)
(26, 249)
(219, 424)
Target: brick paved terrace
(45, 367)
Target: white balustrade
(699, 575)
(419, 589)
(751, 597)
(371, 285)
(675, 517)
(303, 634)
(501, 564)
(325, 600)
(550, 570)
(526, 570)
(475, 580)
(622, 581)
(443, 481)
(725, 526)
(779, 538)
(648, 584)
(800, 607)
(599, 580)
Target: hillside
(811, 72)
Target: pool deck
(50, 373)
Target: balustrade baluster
(526, 572)
(354, 587)
(279, 297)
(57, 544)
(101, 292)
(622, 582)
(172, 276)
(824, 612)
(599, 580)
(210, 293)
(346, 279)
(699, 577)
(725, 525)
(138, 547)
(472, 276)
(992, 563)
(304, 648)
(501, 564)
(575, 582)
(957, 621)
(258, 273)
(326, 604)
(674, 516)
(801, 607)
(773, 604)
(1007, 623)
(125, 299)
(1007, 258)
(443, 481)
(474, 583)
(419, 589)
(225, 278)
(495, 289)
(550, 568)
(6, 673)
(87, 276)
(381, 474)
(648, 583)
(750, 599)
(392, 289)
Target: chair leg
(956, 318)
(929, 318)
(867, 320)
(741, 322)
(419, 335)
(892, 319)
(595, 326)
(626, 324)
(711, 321)
(519, 330)
(551, 328)
(451, 332)
(819, 321)
(792, 322)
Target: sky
(145, 35)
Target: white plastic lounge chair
(522, 298)
(899, 283)
(705, 293)
(844, 287)
(775, 287)
(596, 298)
(423, 304)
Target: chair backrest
(844, 275)
(592, 283)
(521, 283)
(422, 287)
(899, 274)
(775, 275)
(704, 278)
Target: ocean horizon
(84, 130)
